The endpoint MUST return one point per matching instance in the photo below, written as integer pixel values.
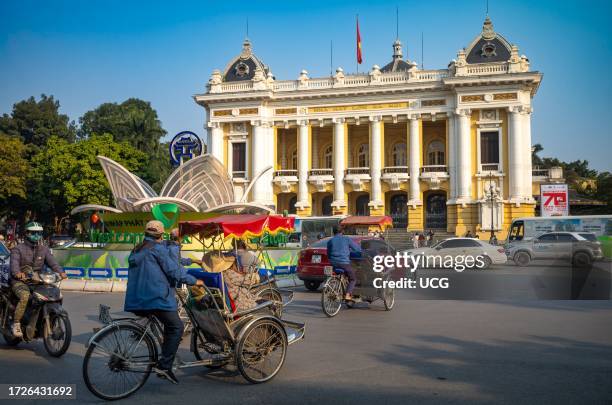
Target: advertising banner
(554, 200)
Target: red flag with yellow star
(359, 58)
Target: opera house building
(434, 149)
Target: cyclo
(334, 288)
(120, 356)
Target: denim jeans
(350, 273)
(173, 331)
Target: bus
(529, 228)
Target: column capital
(339, 120)
(463, 112)
(213, 124)
(375, 118)
(302, 123)
(515, 109)
(414, 116)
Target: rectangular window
(239, 159)
(489, 147)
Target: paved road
(517, 350)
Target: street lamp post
(492, 197)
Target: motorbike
(44, 317)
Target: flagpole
(356, 58)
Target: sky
(89, 52)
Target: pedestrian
(493, 240)
(421, 240)
(415, 240)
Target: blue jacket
(339, 249)
(175, 251)
(152, 275)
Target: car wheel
(581, 259)
(522, 259)
(487, 262)
(312, 285)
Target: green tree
(14, 169)
(136, 122)
(36, 121)
(66, 175)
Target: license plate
(328, 270)
(315, 259)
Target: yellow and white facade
(444, 149)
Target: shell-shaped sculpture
(202, 181)
(126, 187)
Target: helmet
(34, 232)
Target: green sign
(167, 214)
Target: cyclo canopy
(370, 222)
(239, 226)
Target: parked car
(555, 245)
(56, 241)
(591, 237)
(313, 259)
(465, 247)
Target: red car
(313, 259)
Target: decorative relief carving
(472, 98)
(248, 111)
(338, 108)
(285, 111)
(505, 96)
(222, 113)
(433, 103)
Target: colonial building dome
(398, 64)
(489, 46)
(243, 66)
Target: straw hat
(213, 263)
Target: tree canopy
(66, 175)
(36, 121)
(14, 169)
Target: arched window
(363, 155)
(361, 205)
(435, 153)
(399, 154)
(294, 160)
(328, 157)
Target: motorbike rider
(26, 258)
(339, 252)
(152, 276)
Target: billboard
(554, 200)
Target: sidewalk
(282, 281)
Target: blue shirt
(152, 276)
(339, 249)
(175, 251)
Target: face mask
(34, 237)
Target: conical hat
(213, 263)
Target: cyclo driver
(339, 255)
(26, 258)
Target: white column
(303, 157)
(338, 163)
(215, 141)
(464, 157)
(414, 163)
(283, 147)
(515, 151)
(262, 157)
(375, 161)
(527, 173)
(451, 153)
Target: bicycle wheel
(119, 361)
(261, 351)
(271, 294)
(331, 297)
(389, 298)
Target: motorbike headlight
(48, 278)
